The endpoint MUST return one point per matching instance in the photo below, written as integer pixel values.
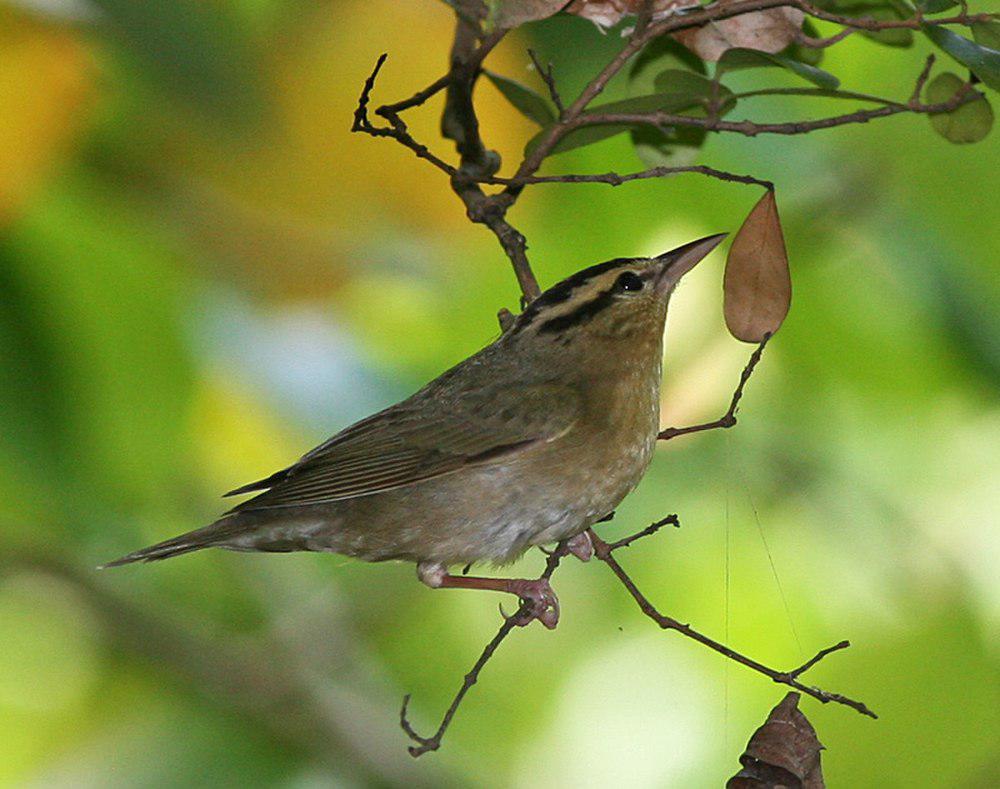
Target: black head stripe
(561, 291)
(581, 314)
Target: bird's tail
(206, 537)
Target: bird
(527, 442)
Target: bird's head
(624, 299)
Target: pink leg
(543, 604)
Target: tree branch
(605, 551)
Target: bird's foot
(581, 546)
(538, 601)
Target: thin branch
(817, 658)
(728, 419)
(432, 743)
(604, 552)
(616, 179)
(397, 128)
(545, 72)
(921, 81)
(823, 43)
(653, 528)
(748, 128)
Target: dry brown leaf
(757, 286)
(783, 753)
(511, 13)
(768, 31)
(605, 13)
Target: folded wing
(421, 438)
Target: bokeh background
(204, 274)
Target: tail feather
(185, 543)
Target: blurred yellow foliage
(46, 90)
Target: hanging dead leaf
(768, 31)
(783, 753)
(757, 287)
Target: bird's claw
(538, 601)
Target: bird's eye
(629, 281)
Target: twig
(432, 743)
(823, 43)
(545, 72)
(616, 179)
(604, 552)
(728, 419)
(921, 81)
(673, 520)
(817, 658)
(749, 128)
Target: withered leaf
(606, 13)
(767, 31)
(507, 14)
(784, 753)
(757, 287)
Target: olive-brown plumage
(529, 441)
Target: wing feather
(417, 440)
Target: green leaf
(738, 58)
(935, 6)
(684, 91)
(980, 60)
(812, 56)
(987, 34)
(971, 122)
(659, 55)
(529, 103)
(678, 148)
(893, 37)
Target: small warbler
(529, 441)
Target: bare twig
(921, 81)
(652, 528)
(616, 179)
(545, 72)
(823, 43)
(728, 419)
(604, 552)
(432, 743)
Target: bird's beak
(673, 265)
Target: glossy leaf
(980, 60)
(529, 103)
(736, 59)
(987, 34)
(935, 6)
(757, 287)
(971, 122)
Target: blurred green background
(204, 274)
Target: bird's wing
(417, 440)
